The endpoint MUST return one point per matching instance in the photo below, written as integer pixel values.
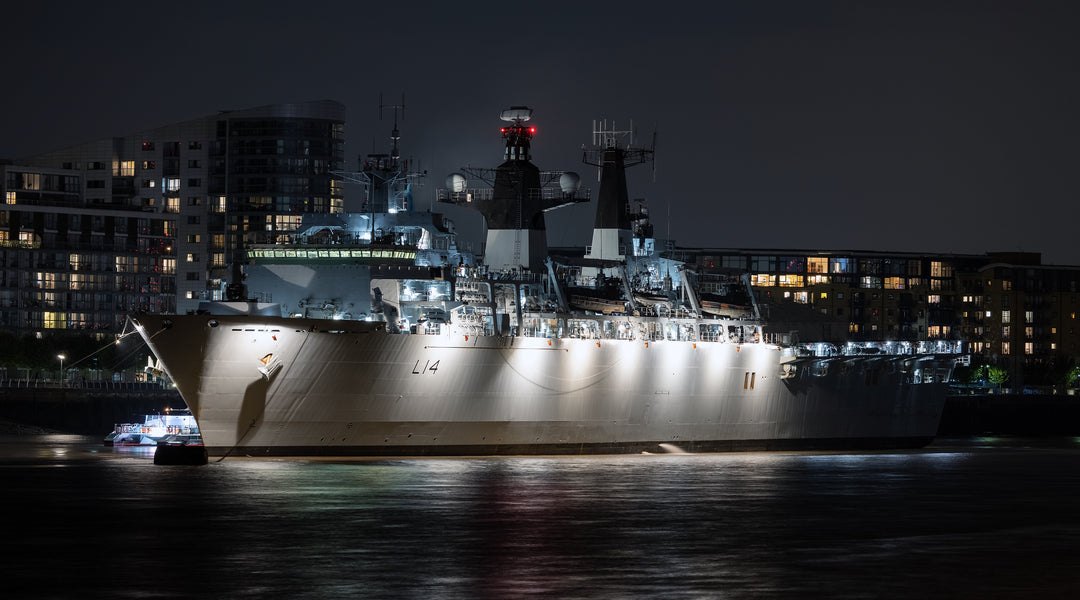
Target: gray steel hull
(265, 386)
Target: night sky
(893, 126)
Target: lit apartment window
(1029, 316)
(192, 258)
(171, 184)
(1006, 316)
(1005, 332)
(934, 298)
(127, 168)
(868, 282)
(54, 320)
(1004, 347)
(194, 238)
(148, 164)
(940, 269)
(31, 181)
(9, 197)
(1029, 348)
(841, 265)
(219, 204)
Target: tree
(994, 374)
(997, 375)
(1072, 377)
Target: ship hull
(262, 386)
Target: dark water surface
(973, 518)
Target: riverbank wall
(1011, 414)
(84, 411)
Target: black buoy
(180, 455)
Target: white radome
(569, 182)
(456, 182)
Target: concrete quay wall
(1011, 414)
(82, 411)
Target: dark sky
(894, 126)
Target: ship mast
(386, 178)
(612, 151)
(520, 194)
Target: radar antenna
(605, 136)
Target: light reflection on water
(960, 519)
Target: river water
(963, 518)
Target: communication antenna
(655, 133)
(395, 135)
(606, 136)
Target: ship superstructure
(324, 268)
(519, 195)
(602, 353)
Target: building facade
(152, 220)
(1007, 307)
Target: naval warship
(397, 343)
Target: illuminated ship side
(507, 364)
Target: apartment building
(1005, 306)
(153, 220)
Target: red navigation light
(532, 130)
(502, 130)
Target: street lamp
(61, 357)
